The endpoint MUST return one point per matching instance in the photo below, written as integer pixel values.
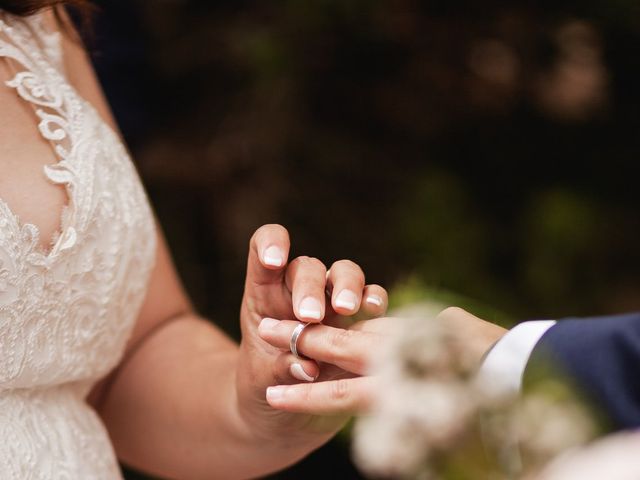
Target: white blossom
(546, 426)
(432, 405)
(616, 457)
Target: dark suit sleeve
(601, 355)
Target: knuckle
(275, 228)
(271, 229)
(294, 263)
(340, 340)
(451, 312)
(359, 366)
(280, 378)
(316, 262)
(280, 372)
(379, 291)
(348, 265)
(255, 236)
(306, 393)
(311, 262)
(340, 390)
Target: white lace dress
(66, 314)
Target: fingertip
(346, 302)
(275, 395)
(273, 257)
(266, 327)
(310, 310)
(375, 299)
(313, 321)
(271, 243)
(346, 281)
(305, 373)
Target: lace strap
(29, 42)
(48, 38)
(51, 40)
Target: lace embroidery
(66, 314)
(60, 117)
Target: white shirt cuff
(503, 367)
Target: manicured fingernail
(267, 325)
(298, 372)
(374, 300)
(275, 393)
(273, 256)
(346, 299)
(310, 308)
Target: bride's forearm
(172, 408)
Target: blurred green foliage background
(482, 152)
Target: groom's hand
(351, 352)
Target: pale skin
(187, 401)
(353, 350)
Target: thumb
(268, 255)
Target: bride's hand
(345, 357)
(275, 288)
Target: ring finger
(347, 349)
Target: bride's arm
(170, 407)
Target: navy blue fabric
(602, 356)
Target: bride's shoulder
(76, 62)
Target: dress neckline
(40, 84)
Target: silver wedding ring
(293, 342)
